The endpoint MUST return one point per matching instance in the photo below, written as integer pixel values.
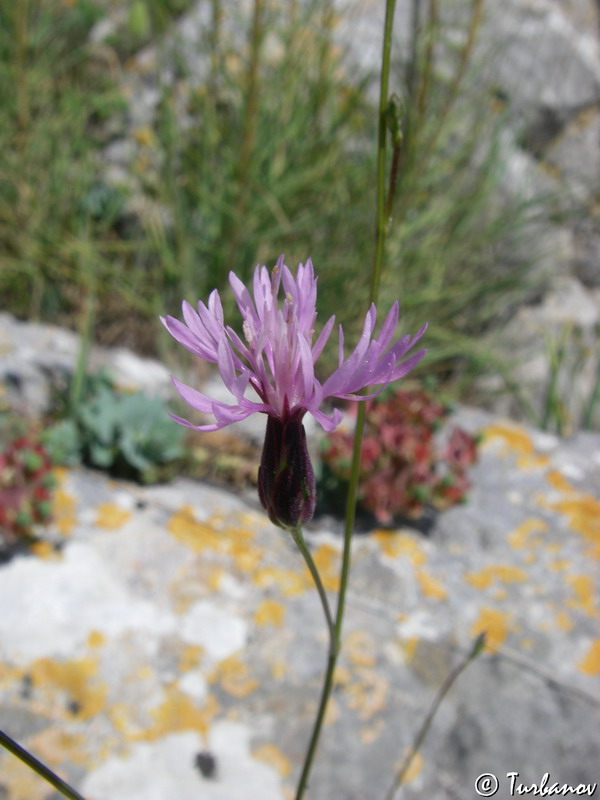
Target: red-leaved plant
(406, 464)
(26, 483)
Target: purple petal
(322, 338)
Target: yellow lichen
(95, 639)
(190, 657)
(583, 513)
(269, 612)
(45, 550)
(177, 712)
(557, 480)
(583, 588)
(85, 695)
(111, 516)
(590, 663)
(494, 623)
(199, 536)
(504, 573)
(415, 768)
(233, 675)
(397, 543)
(270, 754)
(522, 534)
(288, 581)
(326, 558)
(368, 693)
(359, 647)
(63, 511)
(430, 586)
(564, 621)
(513, 437)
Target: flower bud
(286, 480)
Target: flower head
(277, 359)
(277, 356)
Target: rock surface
(174, 646)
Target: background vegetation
(270, 150)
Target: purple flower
(276, 358)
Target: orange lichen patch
(557, 480)
(430, 586)
(371, 733)
(190, 657)
(513, 437)
(326, 558)
(527, 643)
(590, 663)
(504, 573)
(559, 564)
(45, 550)
(583, 513)
(55, 746)
(199, 536)
(522, 536)
(76, 678)
(270, 754)
(95, 639)
(63, 511)
(528, 463)
(232, 674)
(238, 542)
(515, 440)
(368, 694)
(269, 612)
(500, 594)
(177, 712)
(583, 587)
(288, 581)
(247, 557)
(397, 543)
(494, 623)
(111, 516)
(564, 621)
(359, 647)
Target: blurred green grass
(274, 153)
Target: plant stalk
(335, 627)
(451, 678)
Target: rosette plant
(276, 358)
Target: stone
(176, 649)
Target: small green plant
(129, 434)
(26, 483)
(405, 465)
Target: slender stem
(335, 628)
(329, 672)
(42, 770)
(475, 650)
(380, 234)
(306, 554)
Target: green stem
(475, 650)
(335, 627)
(329, 672)
(42, 770)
